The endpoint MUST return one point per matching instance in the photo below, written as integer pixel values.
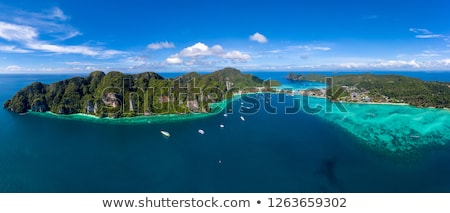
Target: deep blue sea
(265, 153)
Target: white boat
(201, 131)
(165, 133)
(242, 118)
(222, 126)
(225, 115)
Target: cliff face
(116, 94)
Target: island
(370, 88)
(116, 94)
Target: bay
(268, 152)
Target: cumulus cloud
(237, 56)
(258, 37)
(199, 51)
(161, 45)
(174, 59)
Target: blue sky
(168, 35)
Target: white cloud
(430, 36)
(352, 65)
(13, 49)
(258, 37)
(56, 12)
(174, 59)
(200, 49)
(310, 48)
(78, 63)
(425, 33)
(420, 31)
(429, 54)
(382, 64)
(62, 49)
(52, 22)
(445, 61)
(397, 64)
(13, 68)
(14, 32)
(160, 45)
(109, 53)
(321, 48)
(201, 54)
(25, 37)
(237, 56)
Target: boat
(222, 126)
(242, 118)
(225, 115)
(201, 131)
(165, 133)
(23, 113)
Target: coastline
(216, 108)
(378, 103)
(365, 103)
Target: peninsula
(369, 88)
(117, 94)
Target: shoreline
(367, 103)
(379, 103)
(216, 108)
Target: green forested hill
(116, 94)
(384, 88)
(396, 88)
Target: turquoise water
(394, 129)
(268, 152)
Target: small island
(116, 94)
(369, 88)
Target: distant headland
(369, 88)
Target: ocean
(268, 152)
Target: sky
(203, 35)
